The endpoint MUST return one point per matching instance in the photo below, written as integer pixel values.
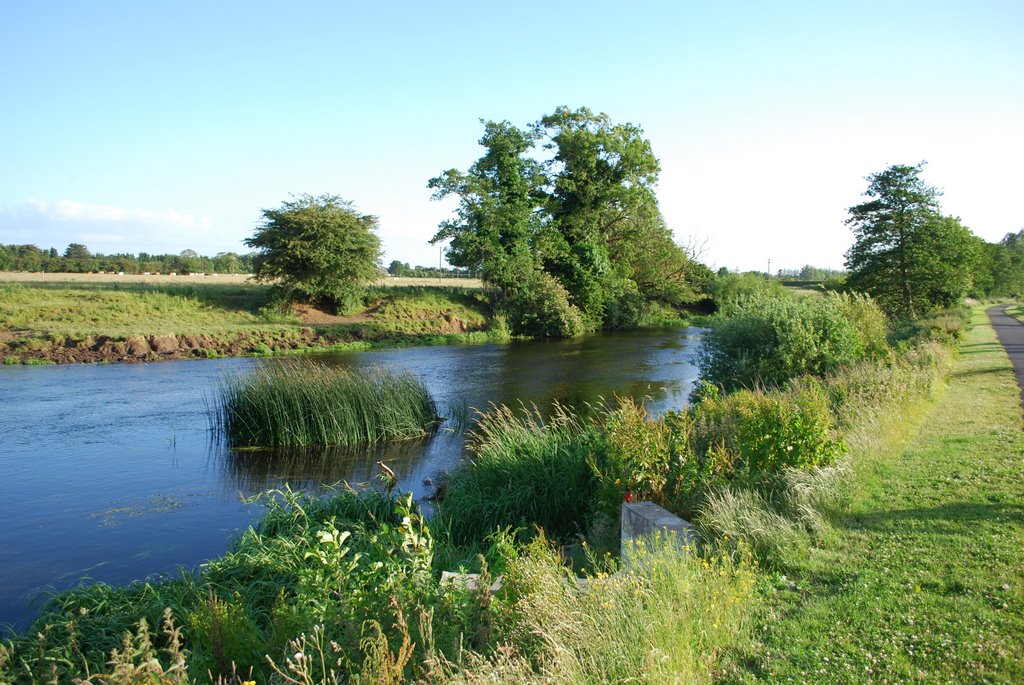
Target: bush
(765, 432)
(624, 306)
(651, 460)
(766, 340)
(945, 326)
(540, 308)
(726, 288)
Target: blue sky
(159, 127)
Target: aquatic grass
(302, 403)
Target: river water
(109, 473)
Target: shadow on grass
(949, 519)
(981, 372)
(979, 348)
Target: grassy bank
(110, 320)
(921, 581)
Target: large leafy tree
(498, 217)
(317, 249)
(905, 253)
(566, 207)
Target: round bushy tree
(317, 249)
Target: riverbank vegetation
(920, 580)
(301, 403)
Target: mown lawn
(924, 579)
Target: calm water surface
(108, 471)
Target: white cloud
(108, 229)
(69, 210)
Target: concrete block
(641, 520)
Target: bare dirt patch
(313, 316)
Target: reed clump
(303, 403)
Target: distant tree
(77, 251)
(397, 268)
(317, 249)
(1000, 271)
(227, 263)
(905, 253)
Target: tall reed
(525, 470)
(299, 403)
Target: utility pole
(769, 267)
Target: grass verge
(922, 579)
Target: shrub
(868, 320)
(763, 339)
(944, 326)
(765, 432)
(624, 306)
(540, 308)
(652, 459)
(726, 288)
(299, 403)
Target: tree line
(77, 258)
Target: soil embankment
(158, 347)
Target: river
(109, 473)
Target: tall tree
(497, 219)
(905, 253)
(578, 230)
(318, 249)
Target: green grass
(922, 580)
(346, 582)
(524, 470)
(301, 403)
(38, 320)
(79, 310)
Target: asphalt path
(1011, 335)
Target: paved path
(1011, 335)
